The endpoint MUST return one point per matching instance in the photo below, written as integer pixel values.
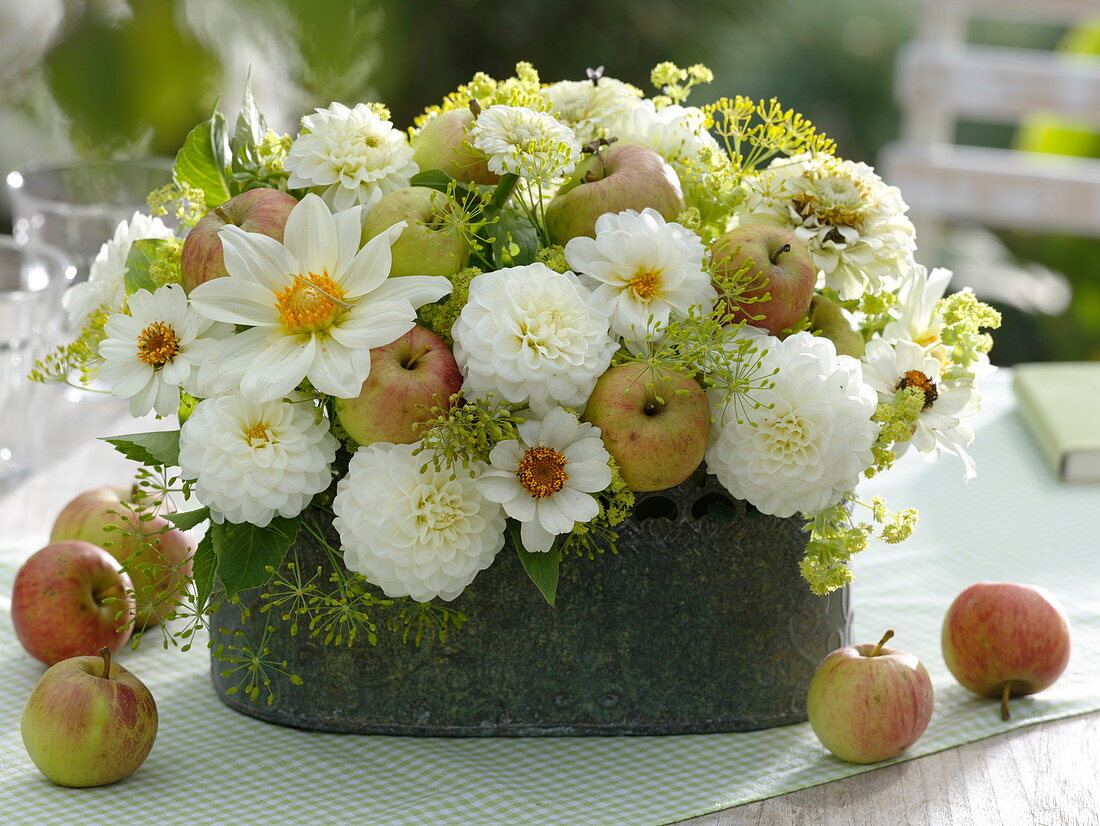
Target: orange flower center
(917, 379)
(542, 471)
(646, 284)
(158, 344)
(258, 435)
(312, 304)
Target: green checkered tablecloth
(212, 765)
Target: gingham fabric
(212, 765)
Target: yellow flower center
(312, 304)
(158, 344)
(542, 471)
(646, 284)
(259, 435)
(917, 379)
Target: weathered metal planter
(700, 624)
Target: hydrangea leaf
(203, 159)
(203, 566)
(188, 519)
(143, 254)
(161, 447)
(247, 553)
(542, 568)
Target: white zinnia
(545, 479)
(644, 270)
(590, 109)
(413, 530)
(521, 141)
(940, 426)
(351, 155)
(252, 462)
(315, 304)
(805, 448)
(106, 282)
(151, 353)
(854, 225)
(676, 133)
(530, 335)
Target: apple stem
(885, 637)
(221, 214)
(785, 248)
(105, 652)
(410, 362)
(1005, 691)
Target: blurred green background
(118, 78)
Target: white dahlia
(807, 445)
(521, 141)
(546, 478)
(676, 133)
(591, 109)
(252, 462)
(853, 223)
(149, 354)
(351, 156)
(940, 427)
(644, 270)
(106, 282)
(413, 530)
(314, 305)
(530, 335)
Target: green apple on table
(89, 722)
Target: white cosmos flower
(521, 141)
(315, 304)
(253, 462)
(546, 478)
(530, 335)
(853, 223)
(940, 426)
(591, 109)
(106, 282)
(644, 271)
(413, 530)
(807, 446)
(151, 353)
(351, 156)
(676, 133)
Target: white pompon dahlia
(591, 109)
(155, 350)
(530, 335)
(853, 223)
(644, 270)
(351, 156)
(940, 427)
(413, 530)
(252, 462)
(106, 282)
(676, 133)
(315, 304)
(546, 478)
(521, 141)
(806, 447)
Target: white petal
(418, 290)
(255, 257)
(536, 539)
(235, 300)
(371, 265)
(311, 237)
(279, 368)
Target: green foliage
(160, 447)
(896, 420)
(542, 568)
(253, 667)
(152, 263)
(676, 83)
(248, 553)
(186, 520)
(80, 356)
(964, 317)
(204, 159)
(417, 620)
(599, 535)
(204, 569)
(466, 431)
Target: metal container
(701, 623)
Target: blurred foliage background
(130, 77)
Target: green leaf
(203, 566)
(432, 179)
(251, 126)
(142, 254)
(203, 159)
(245, 551)
(541, 567)
(161, 447)
(516, 242)
(188, 519)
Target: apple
(407, 378)
(428, 245)
(827, 318)
(444, 144)
(89, 722)
(655, 426)
(868, 703)
(158, 561)
(69, 599)
(257, 210)
(611, 180)
(779, 266)
(1004, 639)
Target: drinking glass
(75, 206)
(33, 276)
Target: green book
(1060, 402)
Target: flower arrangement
(503, 323)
